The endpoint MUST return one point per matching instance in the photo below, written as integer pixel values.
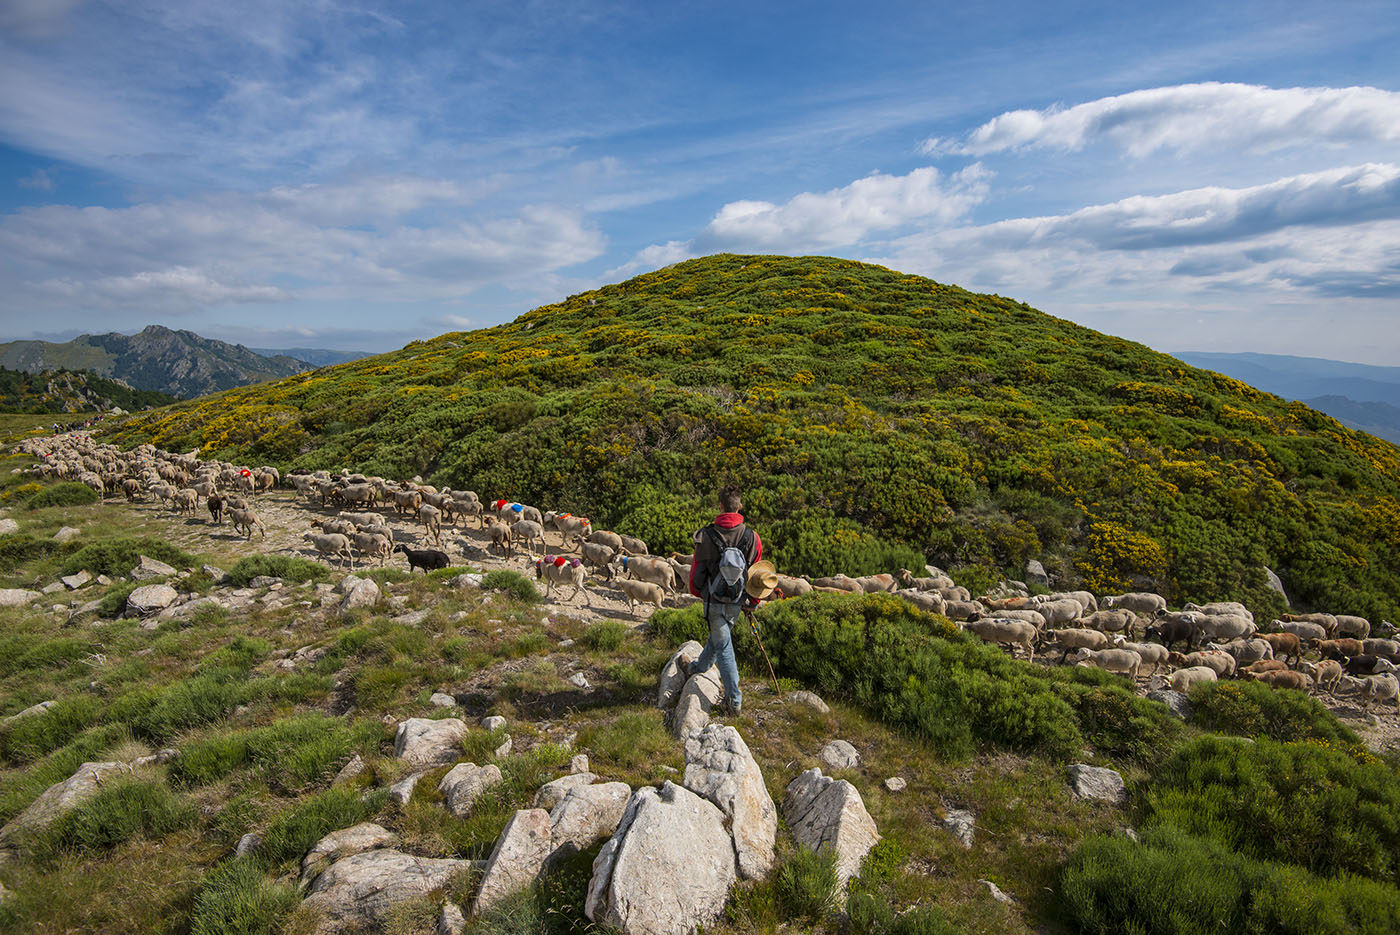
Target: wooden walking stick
(753, 628)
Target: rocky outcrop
(517, 859)
(361, 891)
(585, 816)
(719, 766)
(552, 793)
(148, 569)
(58, 799)
(673, 674)
(16, 597)
(150, 599)
(464, 784)
(424, 743)
(829, 814)
(1097, 783)
(668, 868)
(700, 694)
(337, 845)
(362, 594)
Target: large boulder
(364, 593)
(361, 892)
(1097, 783)
(719, 766)
(366, 836)
(701, 693)
(424, 743)
(552, 793)
(464, 784)
(585, 816)
(517, 859)
(150, 599)
(828, 814)
(1035, 574)
(149, 568)
(16, 597)
(673, 676)
(668, 868)
(57, 800)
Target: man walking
(724, 552)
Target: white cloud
(1193, 117)
(39, 180)
(655, 257)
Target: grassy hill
(873, 418)
(66, 391)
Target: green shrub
(29, 738)
(512, 582)
(22, 653)
(66, 493)
(119, 555)
(605, 635)
(806, 884)
(1309, 803)
(113, 601)
(1253, 709)
(21, 787)
(291, 753)
(870, 913)
(20, 547)
(158, 714)
(121, 809)
(293, 832)
(1176, 884)
(286, 567)
(236, 898)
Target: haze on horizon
(1207, 177)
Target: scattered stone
(402, 791)
(962, 824)
(158, 758)
(103, 580)
(579, 680)
(565, 643)
(463, 785)
(579, 763)
(719, 766)
(997, 894)
(150, 599)
(517, 859)
(806, 699)
(667, 869)
(337, 845)
(53, 587)
(1035, 574)
(8, 526)
(364, 593)
(214, 572)
(896, 784)
(74, 582)
(504, 749)
(468, 580)
(248, 844)
(65, 534)
(451, 921)
(361, 892)
(427, 743)
(673, 674)
(701, 693)
(829, 814)
(552, 793)
(16, 597)
(57, 800)
(839, 754)
(413, 618)
(1177, 703)
(150, 568)
(349, 771)
(264, 581)
(30, 711)
(1131, 835)
(1097, 783)
(347, 584)
(585, 816)
(442, 700)
(493, 722)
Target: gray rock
(340, 844)
(16, 597)
(1035, 574)
(585, 816)
(361, 892)
(248, 844)
(579, 680)
(1276, 584)
(962, 824)
(150, 599)
(53, 587)
(8, 526)
(839, 754)
(701, 693)
(264, 581)
(402, 791)
(896, 784)
(468, 580)
(214, 572)
(349, 771)
(668, 868)
(65, 534)
(997, 894)
(504, 749)
(31, 711)
(427, 743)
(441, 700)
(673, 676)
(158, 758)
(149, 569)
(719, 766)
(517, 859)
(828, 814)
(1177, 703)
(493, 722)
(363, 594)
(451, 921)
(579, 763)
(73, 582)
(189, 608)
(806, 699)
(1097, 783)
(552, 793)
(57, 800)
(463, 785)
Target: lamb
(1223, 664)
(245, 520)
(431, 519)
(331, 544)
(527, 531)
(1013, 632)
(645, 568)
(1139, 602)
(1380, 688)
(1286, 645)
(426, 559)
(1348, 625)
(1060, 611)
(1153, 654)
(1075, 639)
(1327, 674)
(1183, 679)
(559, 572)
(1111, 621)
(1299, 681)
(641, 592)
(1123, 661)
(370, 545)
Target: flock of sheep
(1130, 634)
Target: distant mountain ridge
(319, 356)
(1360, 396)
(179, 363)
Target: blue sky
(1194, 176)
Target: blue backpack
(728, 582)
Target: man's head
(729, 499)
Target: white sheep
(1012, 632)
(1153, 654)
(529, 532)
(1183, 679)
(646, 568)
(1221, 663)
(431, 519)
(372, 544)
(1122, 661)
(246, 520)
(1139, 602)
(1073, 638)
(640, 592)
(560, 573)
(332, 543)
(1380, 688)
(1357, 627)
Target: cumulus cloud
(655, 257)
(1193, 117)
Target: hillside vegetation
(63, 391)
(874, 419)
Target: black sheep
(1170, 630)
(216, 508)
(427, 559)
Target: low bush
(292, 753)
(18, 788)
(1176, 884)
(296, 830)
(66, 493)
(117, 556)
(1310, 804)
(121, 809)
(806, 884)
(236, 898)
(158, 714)
(20, 547)
(113, 600)
(512, 582)
(286, 567)
(872, 914)
(605, 635)
(1253, 709)
(26, 652)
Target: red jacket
(704, 557)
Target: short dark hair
(729, 499)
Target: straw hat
(762, 580)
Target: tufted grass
(236, 898)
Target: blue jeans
(720, 650)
